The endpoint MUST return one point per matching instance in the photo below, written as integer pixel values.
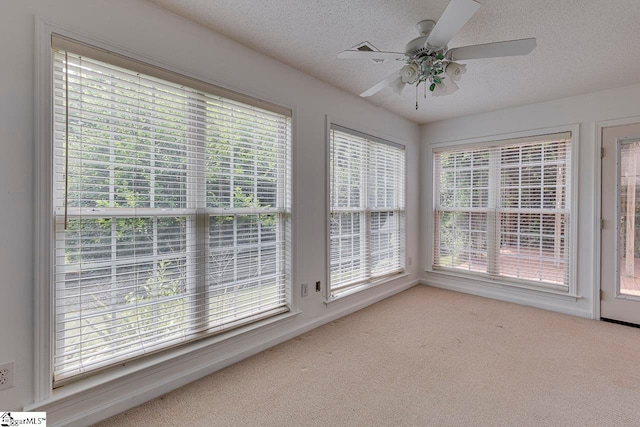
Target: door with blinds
(171, 209)
(620, 239)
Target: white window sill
(128, 373)
(368, 285)
(504, 283)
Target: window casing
(367, 209)
(503, 210)
(171, 211)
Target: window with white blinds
(503, 210)
(367, 238)
(171, 210)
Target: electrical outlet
(318, 286)
(305, 289)
(6, 375)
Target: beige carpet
(424, 357)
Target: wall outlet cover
(6, 375)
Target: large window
(171, 210)
(367, 208)
(503, 210)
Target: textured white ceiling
(583, 45)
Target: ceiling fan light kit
(428, 60)
(431, 68)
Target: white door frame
(597, 203)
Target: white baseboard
(105, 401)
(518, 296)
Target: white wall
(142, 28)
(585, 110)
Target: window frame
(482, 279)
(347, 290)
(44, 226)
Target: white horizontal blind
(504, 210)
(172, 214)
(367, 238)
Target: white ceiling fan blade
(368, 54)
(380, 85)
(492, 50)
(398, 85)
(457, 13)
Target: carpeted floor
(424, 357)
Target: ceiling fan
(428, 59)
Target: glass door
(620, 261)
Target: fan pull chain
(417, 95)
(425, 90)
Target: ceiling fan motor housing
(416, 47)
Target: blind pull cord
(66, 138)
